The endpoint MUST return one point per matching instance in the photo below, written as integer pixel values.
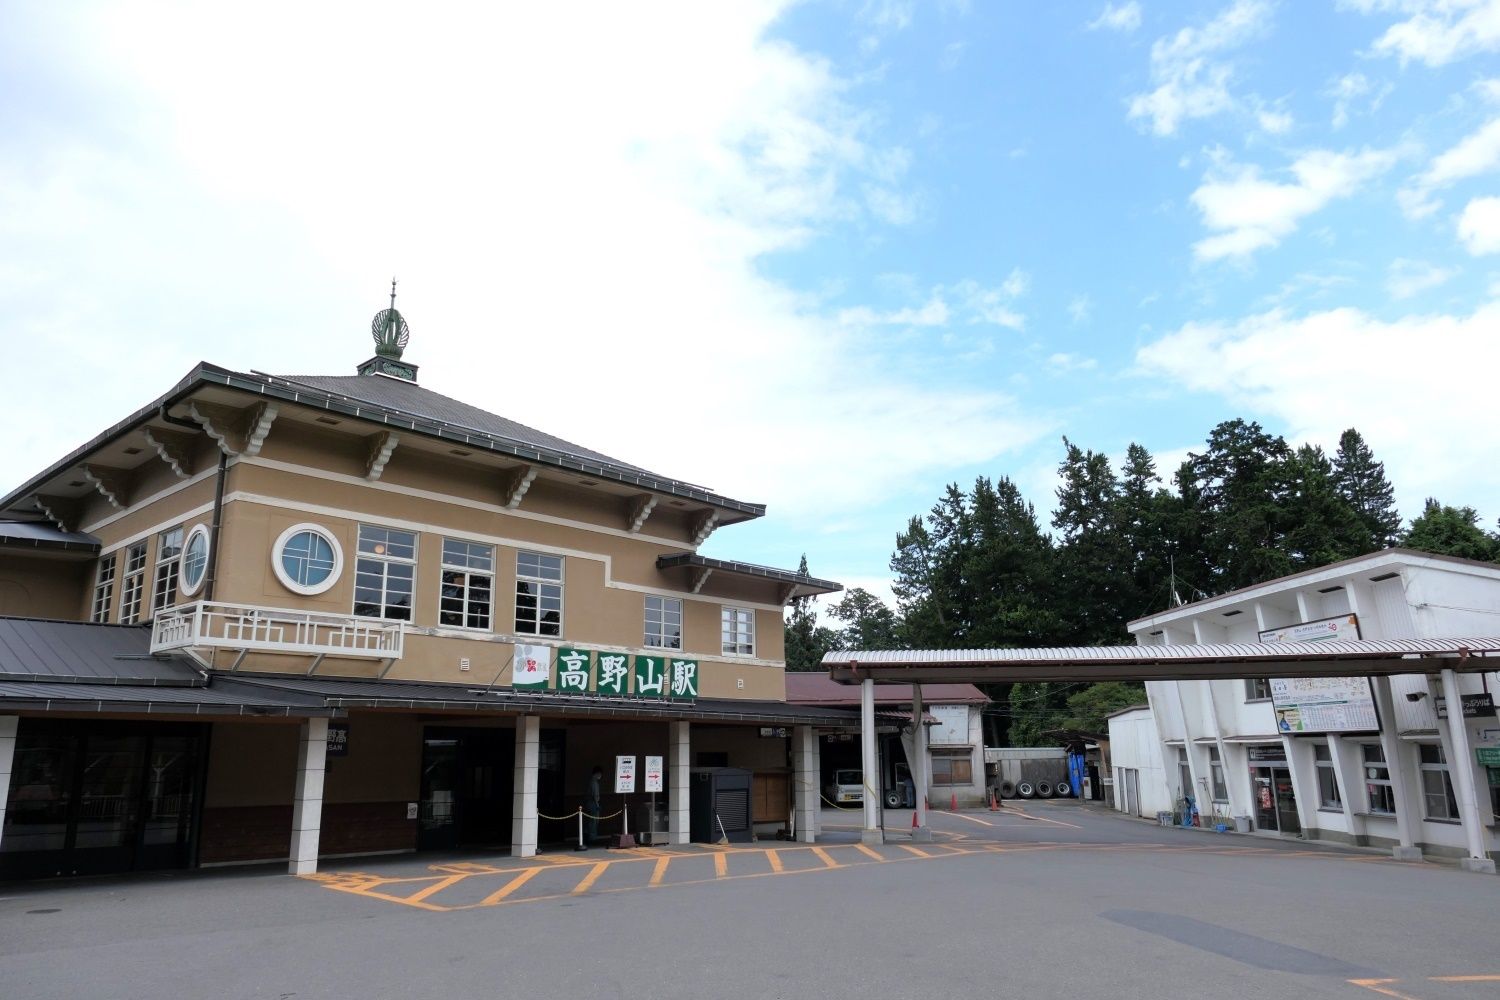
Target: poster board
(653, 774)
(952, 727)
(624, 775)
(1321, 704)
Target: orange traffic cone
(953, 805)
(993, 806)
(913, 819)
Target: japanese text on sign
(653, 774)
(624, 775)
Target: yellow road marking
(510, 887)
(721, 865)
(590, 878)
(775, 859)
(914, 850)
(437, 886)
(826, 859)
(1465, 979)
(1379, 986)
(865, 849)
(660, 871)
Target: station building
(284, 617)
(1365, 761)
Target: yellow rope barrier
(579, 811)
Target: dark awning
(794, 584)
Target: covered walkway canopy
(1374, 658)
(1327, 658)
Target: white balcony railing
(243, 627)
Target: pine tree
(868, 623)
(1094, 563)
(1320, 524)
(1242, 481)
(1361, 481)
(1452, 531)
(806, 641)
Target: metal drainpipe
(210, 572)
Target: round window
(307, 559)
(194, 560)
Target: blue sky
(828, 256)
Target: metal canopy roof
(801, 584)
(1327, 658)
(42, 535)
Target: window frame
(1446, 794)
(385, 561)
(1367, 764)
(469, 573)
(196, 532)
(540, 582)
(951, 759)
(166, 584)
(661, 624)
(104, 589)
(278, 551)
(1185, 774)
(1254, 686)
(1326, 769)
(727, 615)
(1216, 776)
(133, 583)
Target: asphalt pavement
(1045, 900)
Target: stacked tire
(1007, 790)
(1026, 789)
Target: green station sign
(568, 670)
(1488, 756)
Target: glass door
(1286, 802)
(1265, 799)
(437, 819)
(167, 802)
(108, 803)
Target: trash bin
(1164, 819)
(1242, 824)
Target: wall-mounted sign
(532, 667)
(573, 669)
(1321, 704)
(952, 725)
(1267, 754)
(338, 739)
(653, 774)
(684, 678)
(624, 775)
(614, 675)
(650, 677)
(1476, 706)
(1488, 756)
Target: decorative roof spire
(390, 330)
(391, 336)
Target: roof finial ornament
(390, 330)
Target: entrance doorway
(1275, 800)
(101, 799)
(467, 782)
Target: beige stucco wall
(37, 587)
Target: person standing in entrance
(593, 803)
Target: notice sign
(532, 667)
(1321, 704)
(338, 739)
(625, 775)
(653, 774)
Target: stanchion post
(581, 846)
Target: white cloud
(1274, 121)
(1479, 226)
(1067, 362)
(542, 203)
(1436, 32)
(1322, 372)
(964, 302)
(1475, 154)
(1080, 309)
(1126, 17)
(1345, 90)
(1406, 278)
(1250, 213)
(1189, 82)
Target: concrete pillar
(1390, 742)
(1346, 767)
(679, 763)
(1461, 770)
(871, 764)
(523, 822)
(307, 803)
(8, 726)
(805, 779)
(919, 764)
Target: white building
(1373, 764)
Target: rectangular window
(134, 584)
(1184, 773)
(539, 594)
(104, 589)
(1437, 784)
(1257, 689)
(952, 770)
(738, 628)
(168, 552)
(1216, 768)
(664, 622)
(1328, 782)
(468, 584)
(384, 572)
(1378, 779)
